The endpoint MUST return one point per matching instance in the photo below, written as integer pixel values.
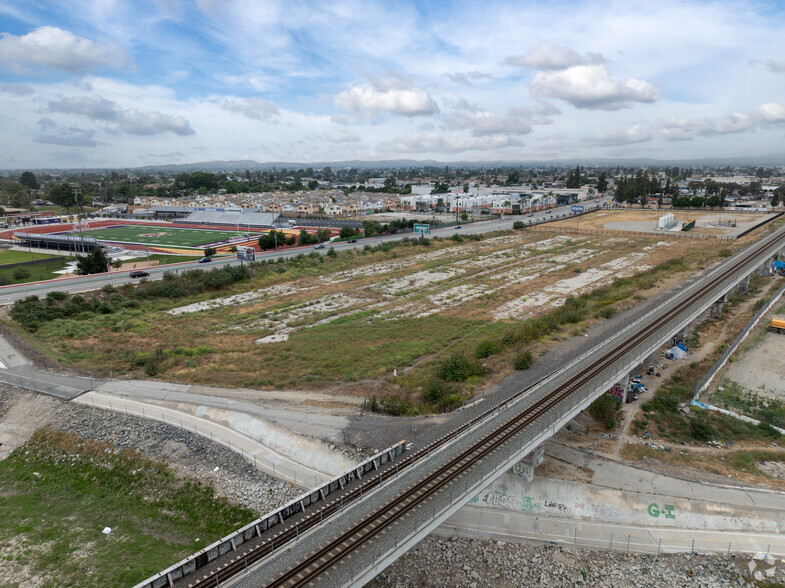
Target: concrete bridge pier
(744, 285)
(715, 310)
(525, 468)
(766, 267)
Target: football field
(163, 236)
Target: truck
(777, 325)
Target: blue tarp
(682, 347)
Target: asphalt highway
(8, 294)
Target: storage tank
(778, 325)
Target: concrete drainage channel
(256, 528)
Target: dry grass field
(351, 322)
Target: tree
(778, 196)
(602, 182)
(306, 238)
(440, 188)
(464, 216)
(346, 232)
(514, 178)
(95, 262)
(62, 195)
(28, 179)
(390, 184)
(313, 184)
(323, 235)
(574, 178)
(117, 263)
(210, 251)
(372, 228)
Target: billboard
(424, 229)
(246, 253)
(577, 208)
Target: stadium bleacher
(257, 220)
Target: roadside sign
(577, 208)
(246, 253)
(423, 229)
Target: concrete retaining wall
(573, 500)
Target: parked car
(352, 241)
(139, 274)
(206, 260)
(319, 246)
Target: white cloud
(133, 122)
(517, 121)
(392, 94)
(54, 48)
(685, 129)
(129, 121)
(592, 86)
(466, 78)
(635, 134)
(548, 55)
(769, 113)
(341, 136)
(17, 90)
(68, 137)
(94, 107)
(438, 142)
(255, 108)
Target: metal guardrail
(256, 528)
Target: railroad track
(310, 568)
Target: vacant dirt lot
(759, 365)
(713, 223)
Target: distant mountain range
(762, 160)
(249, 164)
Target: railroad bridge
(351, 530)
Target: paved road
(264, 459)
(9, 294)
(17, 371)
(313, 424)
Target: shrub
(4, 280)
(522, 361)
(517, 225)
(396, 405)
(21, 273)
(57, 295)
(458, 368)
(701, 429)
(331, 252)
(487, 348)
(604, 410)
(607, 312)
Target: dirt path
(711, 337)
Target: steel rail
(433, 482)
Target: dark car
(138, 274)
(458, 227)
(352, 241)
(206, 260)
(319, 246)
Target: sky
(126, 83)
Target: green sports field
(161, 235)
